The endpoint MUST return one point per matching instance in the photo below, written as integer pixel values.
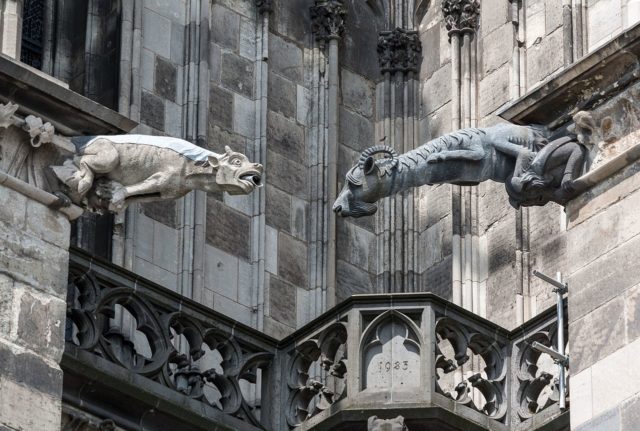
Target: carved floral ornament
(327, 17)
(461, 15)
(399, 50)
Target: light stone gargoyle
(534, 171)
(108, 173)
(396, 424)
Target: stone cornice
(399, 50)
(327, 17)
(461, 16)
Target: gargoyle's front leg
(573, 168)
(151, 186)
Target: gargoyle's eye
(235, 161)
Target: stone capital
(461, 16)
(327, 17)
(399, 50)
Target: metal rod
(561, 365)
(558, 355)
(557, 284)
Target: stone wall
(33, 281)
(604, 335)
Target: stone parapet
(415, 354)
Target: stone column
(399, 54)
(462, 19)
(328, 26)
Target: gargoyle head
(375, 424)
(235, 174)
(363, 186)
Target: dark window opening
(93, 233)
(32, 51)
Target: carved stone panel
(391, 354)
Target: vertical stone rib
(328, 25)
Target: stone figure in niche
(534, 170)
(397, 424)
(110, 172)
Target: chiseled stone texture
(34, 257)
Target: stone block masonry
(34, 243)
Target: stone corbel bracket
(40, 133)
(594, 99)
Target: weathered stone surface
(435, 244)
(157, 33)
(494, 13)
(45, 333)
(436, 123)
(630, 414)
(436, 92)
(164, 212)
(493, 58)
(165, 79)
(224, 26)
(282, 95)
(276, 329)
(607, 421)
(271, 254)
(430, 40)
(233, 308)
(287, 175)
(494, 90)
(292, 260)
(356, 245)
(608, 22)
(299, 210)
(237, 74)
(603, 279)
(227, 229)
(285, 58)
(539, 63)
(357, 93)
(221, 272)
(13, 399)
(244, 116)
(356, 131)
(632, 313)
(152, 112)
(285, 137)
(437, 279)
(351, 280)
(21, 255)
(596, 335)
(278, 208)
(30, 370)
(43, 222)
(219, 138)
(282, 301)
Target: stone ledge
(69, 112)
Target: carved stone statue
(534, 171)
(110, 172)
(397, 424)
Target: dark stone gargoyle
(534, 170)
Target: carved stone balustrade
(139, 352)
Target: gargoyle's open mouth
(253, 178)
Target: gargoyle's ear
(369, 165)
(214, 161)
(371, 421)
(227, 149)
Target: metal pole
(561, 374)
(558, 356)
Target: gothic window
(32, 33)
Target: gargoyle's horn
(379, 149)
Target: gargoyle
(110, 172)
(534, 171)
